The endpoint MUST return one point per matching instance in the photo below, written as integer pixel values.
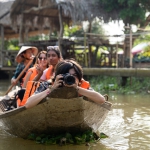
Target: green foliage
(66, 138)
(142, 39)
(105, 84)
(103, 135)
(97, 27)
(143, 57)
(146, 52)
(39, 37)
(77, 30)
(130, 11)
(11, 44)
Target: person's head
(42, 58)
(53, 55)
(25, 53)
(69, 66)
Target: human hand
(39, 69)
(13, 81)
(58, 81)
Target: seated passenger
(63, 67)
(40, 65)
(53, 57)
(23, 57)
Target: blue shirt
(19, 69)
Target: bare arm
(36, 98)
(91, 94)
(37, 77)
(27, 77)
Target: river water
(127, 126)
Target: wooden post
(86, 61)
(117, 54)
(2, 43)
(124, 49)
(90, 51)
(26, 34)
(50, 32)
(40, 3)
(61, 28)
(21, 34)
(130, 47)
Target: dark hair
(64, 66)
(55, 49)
(39, 54)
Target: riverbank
(106, 84)
(133, 85)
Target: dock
(116, 72)
(122, 72)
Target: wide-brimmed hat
(24, 48)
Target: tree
(130, 11)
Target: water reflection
(127, 125)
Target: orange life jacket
(34, 73)
(30, 89)
(85, 84)
(33, 85)
(49, 72)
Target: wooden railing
(7, 58)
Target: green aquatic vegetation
(133, 84)
(103, 135)
(66, 138)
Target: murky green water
(127, 125)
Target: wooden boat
(62, 111)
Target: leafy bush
(133, 85)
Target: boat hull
(55, 115)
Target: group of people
(49, 68)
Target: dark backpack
(9, 104)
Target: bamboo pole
(20, 75)
(130, 47)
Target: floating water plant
(67, 138)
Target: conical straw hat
(24, 48)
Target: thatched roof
(5, 17)
(44, 13)
(4, 12)
(5, 20)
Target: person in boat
(82, 86)
(40, 65)
(23, 57)
(53, 56)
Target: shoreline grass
(133, 85)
